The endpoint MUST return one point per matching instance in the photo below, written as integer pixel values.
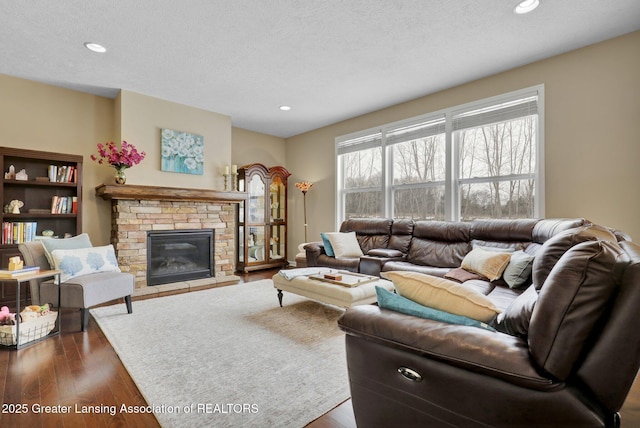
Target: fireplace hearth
(179, 255)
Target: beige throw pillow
(442, 294)
(490, 264)
(344, 244)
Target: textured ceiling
(330, 60)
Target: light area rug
(231, 356)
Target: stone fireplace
(138, 210)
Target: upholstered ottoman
(298, 281)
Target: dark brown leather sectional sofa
(566, 354)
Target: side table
(44, 274)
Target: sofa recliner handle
(410, 374)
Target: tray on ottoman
(345, 278)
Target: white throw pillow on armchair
(84, 261)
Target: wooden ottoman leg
(280, 296)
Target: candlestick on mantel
(234, 177)
(226, 170)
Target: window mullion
(451, 198)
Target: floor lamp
(304, 186)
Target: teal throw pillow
(328, 248)
(397, 303)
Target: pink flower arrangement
(120, 158)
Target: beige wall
(43, 117)
(253, 147)
(592, 137)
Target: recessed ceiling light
(526, 6)
(285, 108)
(95, 47)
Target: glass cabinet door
(256, 200)
(256, 244)
(277, 196)
(277, 242)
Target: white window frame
(452, 181)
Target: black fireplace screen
(179, 255)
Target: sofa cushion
(506, 230)
(412, 267)
(371, 232)
(571, 303)
(394, 302)
(401, 234)
(439, 243)
(549, 254)
(487, 263)
(85, 261)
(344, 244)
(384, 252)
(516, 318)
(518, 271)
(442, 294)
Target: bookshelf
(51, 199)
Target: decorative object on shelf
(11, 174)
(120, 158)
(304, 186)
(48, 233)
(182, 152)
(22, 175)
(15, 205)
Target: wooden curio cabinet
(262, 218)
(50, 198)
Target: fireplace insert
(179, 255)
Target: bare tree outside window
(497, 167)
(363, 182)
(418, 178)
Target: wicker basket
(29, 331)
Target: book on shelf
(18, 231)
(64, 204)
(62, 174)
(5, 273)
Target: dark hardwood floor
(81, 370)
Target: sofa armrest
(313, 251)
(471, 348)
(372, 264)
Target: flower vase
(121, 177)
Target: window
(480, 160)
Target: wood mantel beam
(155, 193)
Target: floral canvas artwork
(182, 152)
